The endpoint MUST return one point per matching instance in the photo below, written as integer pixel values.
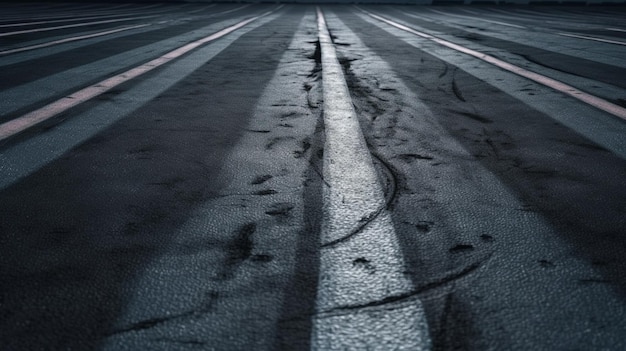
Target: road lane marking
(353, 303)
(24, 24)
(202, 9)
(72, 26)
(480, 19)
(30, 119)
(616, 29)
(587, 37)
(107, 13)
(67, 40)
(580, 95)
(89, 36)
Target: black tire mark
(390, 196)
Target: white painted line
(65, 15)
(586, 37)
(202, 9)
(616, 29)
(71, 26)
(358, 308)
(233, 10)
(74, 19)
(28, 120)
(67, 40)
(480, 19)
(592, 100)
(472, 12)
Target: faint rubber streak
(67, 40)
(72, 26)
(28, 120)
(354, 191)
(586, 37)
(589, 99)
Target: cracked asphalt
(186, 208)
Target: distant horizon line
(593, 3)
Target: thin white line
(589, 99)
(481, 19)
(58, 21)
(233, 10)
(609, 41)
(30, 119)
(354, 193)
(71, 26)
(67, 40)
(92, 13)
(616, 29)
(202, 9)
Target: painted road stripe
(589, 99)
(358, 307)
(28, 120)
(586, 37)
(74, 19)
(65, 15)
(480, 19)
(72, 26)
(202, 9)
(616, 29)
(67, 40)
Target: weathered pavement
(231, 198)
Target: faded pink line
(589, 99)
(28, 120)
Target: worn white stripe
(73, 19)
(60, 17)
(130, 12)
(616, 29)
(202, 9)
(480, 19)
(592, 100)
(28, 120)
(46, 29)
(587, 37)
(351, 309)
(67, 40)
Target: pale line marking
(131, 12)
(30, 119)
(88, 36)
(60, 20)
(480, 19)
(616, 29)
(67, 40)
(202, 9)
(586, 37)
(354, 191)
(589, 99)
(72, 26)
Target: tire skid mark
(396, 301)
(390, 195)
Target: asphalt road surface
(287, 177)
